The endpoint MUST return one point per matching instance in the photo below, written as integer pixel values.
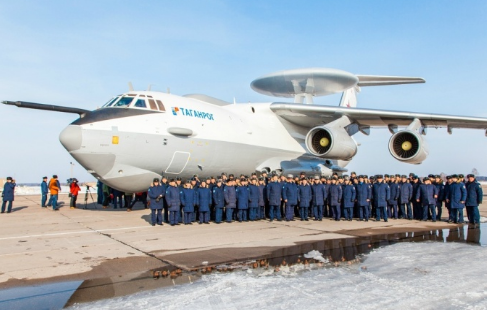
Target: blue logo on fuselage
(193, 113)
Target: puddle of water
(46, 296)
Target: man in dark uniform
(218, 200)
(230, 195)
(155, 193)
(290, 197)
(474, 198)
(458, 195)
(441, 196)
(446, 197)
(405, 196)
(319, 198)
(8, 194)
(417, 214)
(335, 195)
(348, 195)
(203, 198)
(274, 196)
(262, 192)
(381, 194)
(304, 199)
(173, 201)
(188, 201)
(364, 193)
(394, 196)
(426, 196)
(164, 185)
(44, 192)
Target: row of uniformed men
(340, 195)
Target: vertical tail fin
(349, 98)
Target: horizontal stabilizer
(380, 80)
(47, 107)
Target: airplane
(141, 135)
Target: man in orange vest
(54, 189)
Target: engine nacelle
(408, 146)
(332, 143)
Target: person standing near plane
(335, 196)
(230, 195)
(319, 198)
(54, 189)
(165, 185)
(441, 196)
(417, 214)
(405, 195)
(274, 196)
(290, 197)
(262, 192)
(363, 198)
(381, 194)
(218, 201)
(44, 192)
(458, 195)
(8, 194)
(203, 198)
(140, 196)
(73, 190)
(392, 202)
(446, 197)
(253, 199)
(155, 193)
(426, 196)
(474, 198)
(304, 199)
(242, 200)
(173, 201)
(117, 199)
(106, 196)
(349, 195)
(188, 201)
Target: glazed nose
(71, 138)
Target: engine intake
(408, 146)
(332, 143)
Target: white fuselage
(128, 149)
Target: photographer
(8, 194)
(73, 191)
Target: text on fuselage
(193, 113)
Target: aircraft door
(178, 162)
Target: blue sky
(81, 53)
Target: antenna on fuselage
(168, 90)
(149, 87)
(131, 87)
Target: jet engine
(332, 143)
(408, 146)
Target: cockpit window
(140, 103)
(152, 104)
(110, 102)
(160, 105)
(125, 101)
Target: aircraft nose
(71, 138)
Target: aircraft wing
(46, 107)
(307, 115)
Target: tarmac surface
(39, 245)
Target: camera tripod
(86, 197)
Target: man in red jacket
(73, 190)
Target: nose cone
(71, 138)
